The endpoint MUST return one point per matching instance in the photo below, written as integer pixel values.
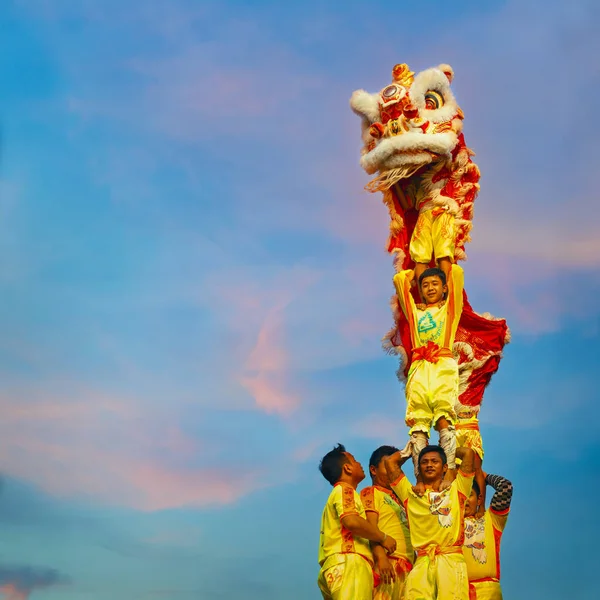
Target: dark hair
(437, 449)
(331, 464)
(476, 487)
(433, 272)
(380, 453)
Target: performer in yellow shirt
(436, 523)
(432, 384)
(344, 552)
(385, 511)
(481, 547)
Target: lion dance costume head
(412, 136)
(414, 145)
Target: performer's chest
(430, 323)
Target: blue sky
(193, 284)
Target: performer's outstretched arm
(454, 302)
(503, 493)
(402, 281)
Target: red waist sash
(431, 352)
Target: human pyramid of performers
(434, 539)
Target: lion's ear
(365, 105)
(448, 71)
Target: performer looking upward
(481, 548)
(385, 511)
(432, 384)
(344, 552)
(436, 522)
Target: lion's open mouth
(387, 179)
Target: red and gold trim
(497, 539)
(367, 496)
(347, 541)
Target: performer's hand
(419, 488)
(480, 511)
(397, 458)
(389, 544)
(448, 479)
(393, 463)
(385, 569)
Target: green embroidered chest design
(428, 328)
(426, 323)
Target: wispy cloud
(266, 368)
(138, 458)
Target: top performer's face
(432, 289)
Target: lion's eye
(433, 100)
(389, 91)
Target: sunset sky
(193, 284)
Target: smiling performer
(432, 384)
(344, 552)
(436, 522)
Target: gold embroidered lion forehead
(411, 122)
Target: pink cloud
(12, 592)
(266, 369)
(18, 582)
(112, 450)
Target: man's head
(377, 466)
(432, 285)
(473, 500)
(432, 464)
(339, 465)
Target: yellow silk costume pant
(487, 590)
(394, 590)
(433, 236)
(441, 578)
(346, 577)
(469, 438)
(431, 393)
